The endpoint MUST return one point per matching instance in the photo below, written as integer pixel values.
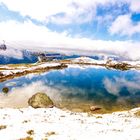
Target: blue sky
(65, 21)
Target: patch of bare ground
(3, 127)
(26, 138)
(30, 132)
(51, 133)
(137, 114)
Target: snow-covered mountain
(13, 56)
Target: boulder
(40, 100)
(5, 90)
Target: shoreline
(17, 70)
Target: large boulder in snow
(40, 100)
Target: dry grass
(3, 127)
(27, 138)
(51, 133)
(30, 132)
(137, 114)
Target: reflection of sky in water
(100, 86)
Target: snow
(85, 66)
(44, 65)
(6, 72)
(88, 60)
(56, 124)
(93, 61)
(49, 64)
(134, 63)
(9, 71)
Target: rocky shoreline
(9, 72)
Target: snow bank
(47, 64)
(88, 60)
(9, 70)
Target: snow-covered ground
(9, 71)
(93, 61)
(56, 124)
(85, 66)
(88, 60)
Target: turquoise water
(110, 89)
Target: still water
(77, 88)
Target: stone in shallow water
(95, 108)
(5, 90)
(40, 100)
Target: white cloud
(18, 96)
(123, 25)
(64, 11)
(80, 16)
(38, 9)
(30, 36)
(111, 86)
(135, 5)
(46, 10)
(115, 86)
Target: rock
(30, 132)
(120, 66)
(95, 108)
(5, 90)
(40, 100)
(1, 74)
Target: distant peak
(3, 46)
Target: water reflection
(76, 87)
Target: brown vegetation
(30, 132)
(119, 66)
(137, 114)
(3, 127)
(27, 138)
